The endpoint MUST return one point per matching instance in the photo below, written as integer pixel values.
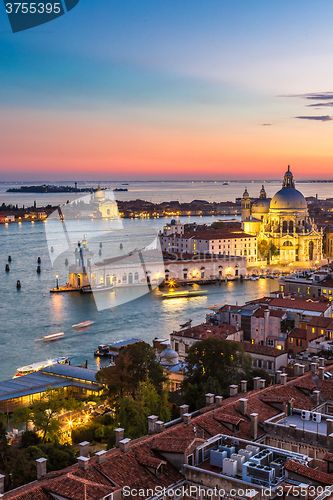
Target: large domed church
(282, 225)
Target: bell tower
(246, 206)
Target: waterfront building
(285, 232)
(308, 284)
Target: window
(313, 330)
(270, 342)
(176, 346)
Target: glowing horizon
(154, 91)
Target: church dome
(99, 194)
(169, 356)
(260, 206)
(288, 198)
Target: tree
(44, 413)
(134, 365)
(213, 364)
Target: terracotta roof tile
(303, 470)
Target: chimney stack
(125, 445)
(210, 399)
(278, 376)
(101, 457)
(159, 426)
(183, 409)
(243, 406)
(254, 425)
(316, 395)
(313, 367)
(2, 483)
(296, 370)
(301, 369)
(233, 390)
(84, 449)
(321, 372)
(283, 378)
(187, 418)
(218, 400)
(243, 385)
(321, 362)
(119, 435)
(83, 462)
(41, 468)
(256, 383)
(151, 423)
(262, 383)
(329, 426)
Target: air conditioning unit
(305, 415)
(246, 453)
(217, 457)
(228, 449)
(229, 467)
(254, 449)
(240, 459)
(316, 417)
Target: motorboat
(50, 338)
(84, 324)
(35, 367)
(183, 294)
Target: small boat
(188, 323)
(84, 324)
(34, 367)
(183, 294)
(49, 338)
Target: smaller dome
(99, 194)
(246, 194)
(260, 206)
(169, 356)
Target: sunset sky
(167, 89)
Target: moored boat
(34, 367)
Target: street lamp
(57, 281)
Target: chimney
(315, 359)
(218, 400)
(296, 370)
(321, 362)
(243, 406)
(183, 409)
(41, 468)
(321, 372)
(119, 435)
(313, 367)
(243, 385)
(316, 396)
(83, 462)
(2, 482)
(151, 423)
(84, 449)
(283, 378)
(210, 399)
(278, 376)
(159, 426)
(187, 418)
(301, 369)
(262, 383)
(125, 445)
(233, 390)
(254, 425)
(329, 426)
(101, 457)
(256, 384)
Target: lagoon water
(33, 312)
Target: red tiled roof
(205, 331)
(297, 333)
(328, 457)
(303, 470)
(260, 313)
(320, 322)
(300, 303)
(264, 350)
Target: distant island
(50, 189)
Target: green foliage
(133, 412)
(30, 438)
(134, 365)
(44, 413)
(213, 364)
(84, 432)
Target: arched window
(136, 276)
(124, 278)
(130, 278)
(285, 226)
(291, 226)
